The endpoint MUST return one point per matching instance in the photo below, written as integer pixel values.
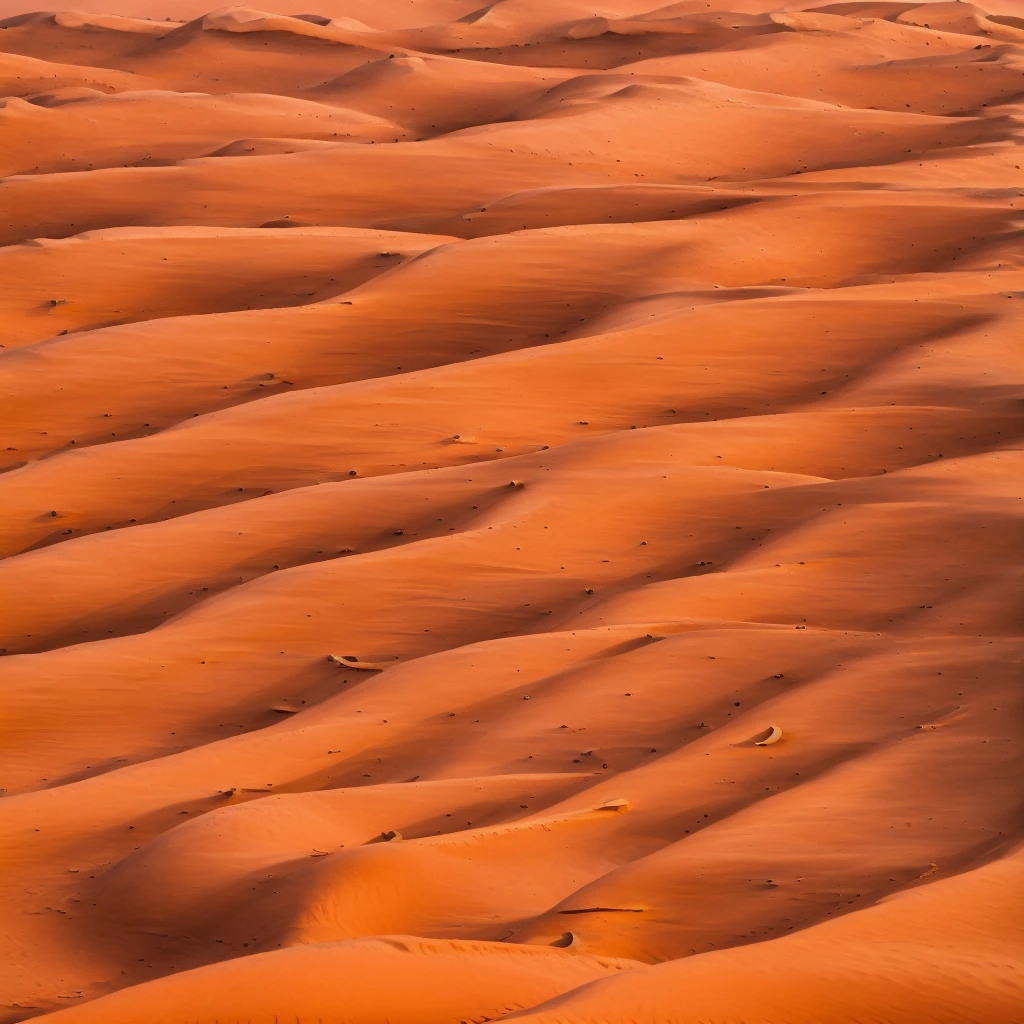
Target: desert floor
(597, 597)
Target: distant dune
(512, 512)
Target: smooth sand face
(511, 511)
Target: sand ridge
(511, 512)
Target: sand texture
(512, 512)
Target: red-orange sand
(512, 512)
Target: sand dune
(42, 132)
(511, 511)
(81, 283)
(947, 950)
(485, 979)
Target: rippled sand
(511, 510)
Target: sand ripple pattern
(511, 512)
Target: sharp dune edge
(511, 512)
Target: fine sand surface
(395, 393)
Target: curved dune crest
(947, 951)
(356, 981)
(511, 511)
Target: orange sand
(409, 391)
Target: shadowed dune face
(511, 511)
